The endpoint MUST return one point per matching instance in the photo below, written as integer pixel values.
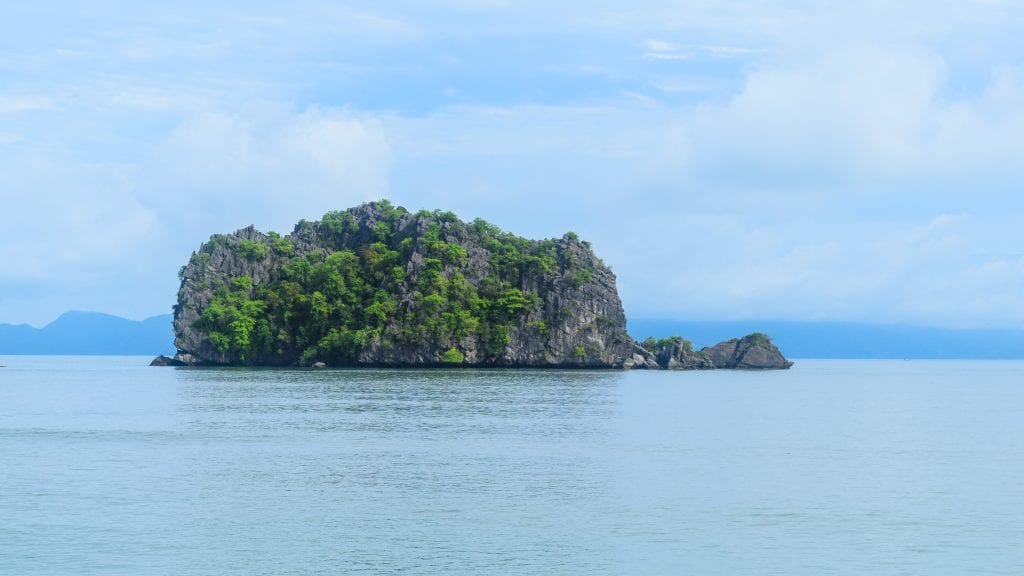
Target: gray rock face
(678, 356)
(217, 261)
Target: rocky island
(377, 285)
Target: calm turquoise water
(108, 466)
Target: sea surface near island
(108, 466)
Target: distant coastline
(93, 333)
(89, 334)
(851, 340)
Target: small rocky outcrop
(179, 359)
(752, 352)
(162, 360)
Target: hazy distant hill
(95, 333)
(848, 340)
(90, 333)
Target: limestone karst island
(377, 285)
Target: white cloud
(111, 237)
(269, 167)
(727, 266)
(858, 112)
(345, 151)
(19, 104)
(65, 214)
(729, 51)
(74, 234)
(683, 86)
(661, 50)
(839, 152)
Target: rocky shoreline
(752, 352)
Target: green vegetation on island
(651, 343)
(399, 280)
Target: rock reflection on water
(530, 403)
(447, 470)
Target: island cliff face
(377, 285)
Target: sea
(109, 466)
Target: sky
(778, 160)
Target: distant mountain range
(92, 333)
(848, 340)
